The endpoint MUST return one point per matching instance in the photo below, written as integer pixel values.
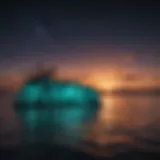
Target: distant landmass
(126, 91)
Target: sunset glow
(107, 85)
(105, 82)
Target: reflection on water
(129, 120)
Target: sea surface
(123, 123)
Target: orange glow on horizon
(108, 82)
(104, 78)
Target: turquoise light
(30, 94)
(64, 107)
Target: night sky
(92, 38)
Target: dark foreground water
(49, 153)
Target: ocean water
(125, 123)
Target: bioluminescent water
(55, 111)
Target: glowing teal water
(30, 94)
(64, 106)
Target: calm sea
(126, 122)
(123, 123)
